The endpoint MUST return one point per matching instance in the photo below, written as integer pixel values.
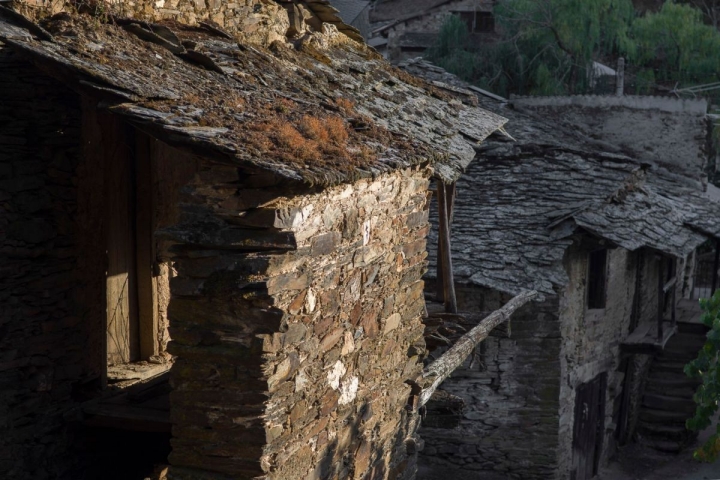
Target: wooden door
(589, 427)
(132, 321)
(121, 286)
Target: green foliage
(677, 44)
(547, 47)
(562, 38)
(645, 81)
(451, 51)
(707, 368)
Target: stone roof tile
(322, 109)
(521, 201)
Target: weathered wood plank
(444, 201)
(147, 290)
(644, 340)
(120, 281)
(439, 370)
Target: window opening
(597, 273)
(478, 22)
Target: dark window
(596, 279)
(478, 22)
(484, 22)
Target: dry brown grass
(290, 138)
(313, 127)
(328, 131)
(345, 104)
(285, 106)
(191, 99)
(336, 129)
(234, 100)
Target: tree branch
(439, 370)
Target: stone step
(667, 366)
(668, 403)
(672, 380)
(684, 391)
(660, 431)
(667, 446)
(650, 415)
(683, 358)
(685, 342)
(692, 328)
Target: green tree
(451, 50)
(546, 46)
(707, 368)
(562, 38)
(710, 8)
(677, 45)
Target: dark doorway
(597, 278)
(589, 427)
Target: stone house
(231, 195)
(600, 204)
(403, 29)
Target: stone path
(639, 462)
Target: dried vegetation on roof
(321, 109)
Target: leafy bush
(707, 368)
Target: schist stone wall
(254, 21)
(509, 428)
(426, 26)
(40, 334)
(591, 343)
(520, 392)
(296, 321)
(672, 131)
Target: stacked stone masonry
(41, 334)
(520, 391)
(509, 428)
(293, 363)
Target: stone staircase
(667, 402)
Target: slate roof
(350, 9)
(197, 88)
(390, 10)
(521, 201)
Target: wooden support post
(450, 196)
(121, 289)
(620, 77)
(445, 252)
(440, 369)
(623, 423)
(674, 305)
(716, 265)
(660, 303)
(147, 288)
